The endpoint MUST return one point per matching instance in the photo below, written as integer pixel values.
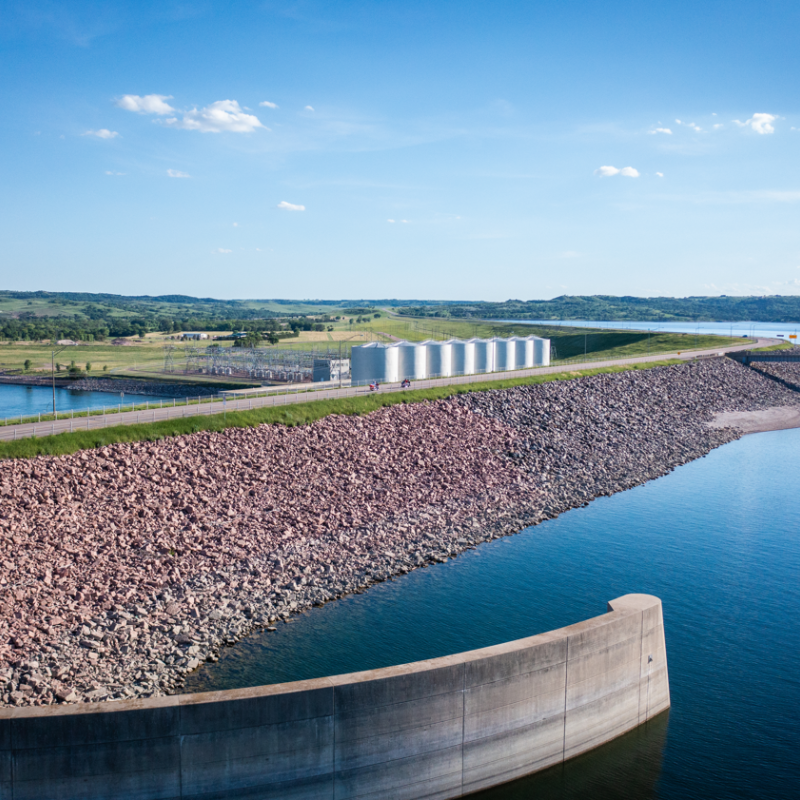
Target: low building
(186, 336)
(331, 369)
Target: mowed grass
(299, 414)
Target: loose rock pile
(787, 372)
(125, 567)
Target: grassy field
(300, 414)
(145, 357)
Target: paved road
(12, 432)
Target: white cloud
(390, 220)
(267, 104)
(760, 123)
(718, 125)
(149, 104)
(235, 224)
(660, 174)
(103, 133)
(109, 172)
(607, 172)
(308, 108)
(691, 125)
(223, 250)
(221, 116)
(661, 130)
(174, 173)
(290, 206)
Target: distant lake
(756, 329)
(18, 401)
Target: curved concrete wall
(433, 729)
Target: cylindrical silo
(413, 361)
(545, 352)
(374, 362)
(440, 358)
(463, 357)
(484, 355)
(526, 352)
(505, 354)
(542, 353)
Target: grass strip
(290, 415)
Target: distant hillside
(776, 308)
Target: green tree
(88, 366)
(27, 365)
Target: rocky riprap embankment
(787, 372)
(123, 568)
(133, 387)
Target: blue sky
(453, 150)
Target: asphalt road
(304, 395)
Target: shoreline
(128, 566)
(778, 418)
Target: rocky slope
(125, 567)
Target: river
(718, 540)
(766, 330)
(28, 401)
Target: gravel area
(786, 371)
(125, 567)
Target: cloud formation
(661, 130)
(760, 123)
(607, 172)
(223, 250)
(267, 104)
(660, 174)
(290, 206)
(223, 116)
(111, 172)
(103, 133)
(149, 104)
(174, 173)
(308, 108)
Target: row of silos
(394, 362)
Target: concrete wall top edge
(621, 606)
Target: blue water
(18, 401)
(763, 329)
(718, 540)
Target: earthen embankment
(125, 567)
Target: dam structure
(397, 361)
(443, 728)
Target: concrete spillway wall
(441, 728)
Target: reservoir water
(18, 401)
(763, 329)
(718, 540)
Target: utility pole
(53, 354)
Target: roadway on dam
(303, 394)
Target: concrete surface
(780, 418)
(441, 728)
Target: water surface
(718, 540)
(18, 401)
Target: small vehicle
(373, 387)
(405, 384)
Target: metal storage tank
(463, 357)
(440, 358)
(545, 352)
(526, 352)
(484, 355)
(505, 357)
(374, 362)
(413, 361)
(542, 352)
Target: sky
(427, 150)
